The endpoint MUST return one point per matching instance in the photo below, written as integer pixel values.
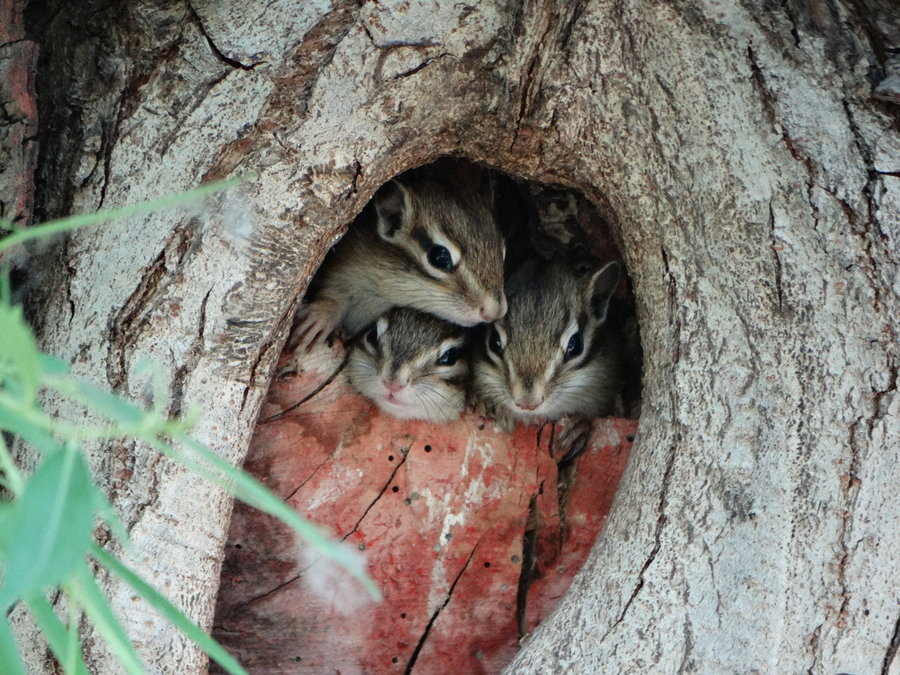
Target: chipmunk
(412, 365)
(429, 248)
(550, 355)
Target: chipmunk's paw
(313, 323)
(571, 438)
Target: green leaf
(6, 511)
(19, 356)
(51, 365)
(10, 662)
(5, 290)
(96, 606)
(15, 423)
(113, 407)
(58, 637)
(174, 615)
(50, 528)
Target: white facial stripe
(451, 342)
(567, 334)
(551, 370)
(468, 280)
(404, 373)
(381, 326)
(502, 333)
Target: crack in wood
(531, 76)
(792, 19)
(308, 478)
(529, 559)
(266, 594)
(189, 362)
(109, 139)
(437, 612)
(313, 393)
(870, 221)
(125, 325)
(657, 536)
(891, 652)
(384, 488)
(122, 329)
(68, 280)
(768, 100)
(775, 248)
(674, 319)
(234, 63)
(687, 637)
(140, 506)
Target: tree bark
(753, 185)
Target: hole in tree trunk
(472, 533)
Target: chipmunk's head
(452, 247)
(412, 365)
(548, 357)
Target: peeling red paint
(17, 69)
(440, 512)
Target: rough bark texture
(753, 184)
(18, 115)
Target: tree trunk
(753, 185)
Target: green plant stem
(84, 588)
(174, 615)
(34, 416)
(56, 634)
(73, 222)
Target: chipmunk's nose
(528, 402)
(493, 309)
(393, 386)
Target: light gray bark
(753, 184)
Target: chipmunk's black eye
(372, 336)
(494, 343)
(575, 347)
(440, 258)
(449, 357)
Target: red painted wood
(439, 511)
(19, 132)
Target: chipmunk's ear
(600, 288)
(394, 209)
